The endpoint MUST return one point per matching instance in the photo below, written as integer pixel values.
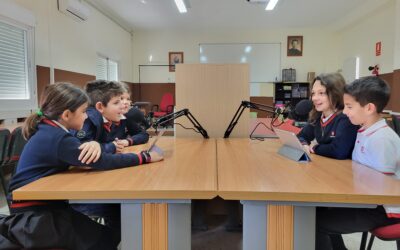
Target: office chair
(166, 106)
(386, 233)
(396, 123)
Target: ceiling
(231, 14)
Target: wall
(397, 36)
(318, 50)
(64, 43)
(358, 39)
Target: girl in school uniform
(51, 149)
(329, 132)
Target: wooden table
(253, 172)
(187, 172)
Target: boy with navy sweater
(329, 132)
(377, 146)
(106, 123)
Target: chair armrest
(170, 108)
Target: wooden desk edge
(302, 197)
(110, 195)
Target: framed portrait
(295, 46)
(174, 58)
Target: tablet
(153, 144)
(290, 139)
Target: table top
(188, 171)
(253, 170)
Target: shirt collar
(324, 119)
(60, 125)
(377, 125)
(105, 120)
(122, 117)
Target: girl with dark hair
(52, 149)
(329, 132)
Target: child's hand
(312, 145)
(123, 142)
(155, 156)
(118, 147)
(307, 148)
(90, 152)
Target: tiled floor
(217, 239)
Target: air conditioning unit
(74, 8)
(257, 1)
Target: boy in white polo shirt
(377, 146)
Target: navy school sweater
(94, 130)
(52, 150)
(335, 137)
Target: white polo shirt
(378, 147)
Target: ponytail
(30, 125)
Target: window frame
(16, 108)
(108, 59)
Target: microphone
(135, 115)
(301, 110)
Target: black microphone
(301, 110)
(135, 115)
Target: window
(17, 82)
(106, 69)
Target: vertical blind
(13, 63)
(106, 69)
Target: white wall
(358, 39)
(396, 63)
(63, 43)
(319, 49)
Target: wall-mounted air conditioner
(74, 8)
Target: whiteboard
(264, 58)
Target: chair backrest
(17, 143)
(166, 100)
(15, 147)
(4, 140)
(396, 123)
(391, 232)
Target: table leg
(179, 226)
(254, 225)
(131, 226)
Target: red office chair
(166, 106)
(387, 233)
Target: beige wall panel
(212, 93)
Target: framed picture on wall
(174, 58)
(295, 46)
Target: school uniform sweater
(378, 147)
(52, 150)
(95, 129)
(335, 137)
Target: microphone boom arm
(239, 111)
(184, 112)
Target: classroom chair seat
(386, 233)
